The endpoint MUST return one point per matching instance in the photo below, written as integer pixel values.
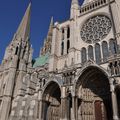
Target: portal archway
(51, 107)
(94, 97)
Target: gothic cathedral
(76, 76)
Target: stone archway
(51, 107)
(94, 97)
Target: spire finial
(52, 21)
(24, 27)
(75, 2)
(50, 27)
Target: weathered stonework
(72, 79)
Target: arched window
(83, 55)
(23, 54)
(105, 51)
(62, 48)
(68, 45)
(43, 82)
(63, 34)
(97, 53)
(16, 51)
(90, 53)
(113, 46)
(68, 32)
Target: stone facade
(76, 77)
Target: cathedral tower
(17, 59)
(76, 76)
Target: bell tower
(16, 61)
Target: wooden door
(98, 110)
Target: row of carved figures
(114, 68)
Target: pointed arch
(63, 34)
(68, 45)
(83, 55)
(97, 53)
(68, 32)
(90, 52)
(16, 51)
(62, 48)
(113, 46)
(91, 82)
(52, 101)
(105, 51)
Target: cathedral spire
(48, 40)
(51, 22)
(24, 27)
(51, 26)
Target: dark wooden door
(98, 110)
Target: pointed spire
(48, 40)
(24, 27)
(51, 22)
(51, 26)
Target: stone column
(101, 52)
(72, 38)
(94, 53)
(40, 105)
(114, 100)
(40, 109)
(60, 42)
(44, 106)
(74, 107)
(64, 111)
(87, 54)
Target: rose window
(96, 29)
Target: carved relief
(114, 67)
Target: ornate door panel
(53, 112)
(86, 111)
(86, 108)
(89, 109)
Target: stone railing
(91, 6)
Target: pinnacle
(75, 2)
(24, 27)
(51, 26)
(51, 23)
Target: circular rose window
(96, 29)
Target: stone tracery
(96, 29)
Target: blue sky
(12, 11)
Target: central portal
(52, 102)
(94, 98)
